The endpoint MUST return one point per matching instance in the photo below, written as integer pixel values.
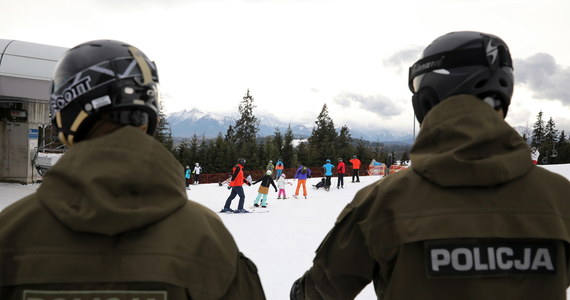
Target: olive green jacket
(112, 216)
(472, 181)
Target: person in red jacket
(340, 171)
(355, 168)
(237, 180)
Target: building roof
(26, 69)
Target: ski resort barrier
(257, 174)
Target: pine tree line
(218, 155)
(554, 147)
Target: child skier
(281, 185)
(266, 180)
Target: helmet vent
(480, 83)
(503, 82)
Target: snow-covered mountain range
(186, 123)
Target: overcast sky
(296, 55)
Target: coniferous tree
(194, 148)
(246, 129)
(270, 151)
(362, 152)
(344, 147)
(549, 142)
(288, 152)
(163, 133)
(229, 140)
(378, 152)
(219, 160)
(322, 141)
(261, 161)
(203, 156)
(182, 153)
(538, 132)
(230, 136)
(302, 155)
(405, 157)
(278, 142)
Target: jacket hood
(464, 142)
(113, 184)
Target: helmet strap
(143, 65)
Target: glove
(276, 190)
(248, 183)
(229, 187)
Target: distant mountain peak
(187, 123)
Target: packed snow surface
(281, 242)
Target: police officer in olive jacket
(473, 218)
(111, 219)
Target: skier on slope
(340, 171)
(263, 190)
(473, 218)
(197, 171)
(534, 154)
(187, 175)
(301, 175)
(279, 168)
(281, 182)
(270, 166)
(328, 167)
(112, 219)
(355, 168)
(236, 185)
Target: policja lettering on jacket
(489, 258)
(95, 295)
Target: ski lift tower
(25, 79)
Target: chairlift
(46, 156)
(554, 152)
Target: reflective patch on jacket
(458, 258)
(94, 295)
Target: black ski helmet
(464, 62)
(103, 80)
(241, 161)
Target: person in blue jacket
(187, 176)
(328, 174)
